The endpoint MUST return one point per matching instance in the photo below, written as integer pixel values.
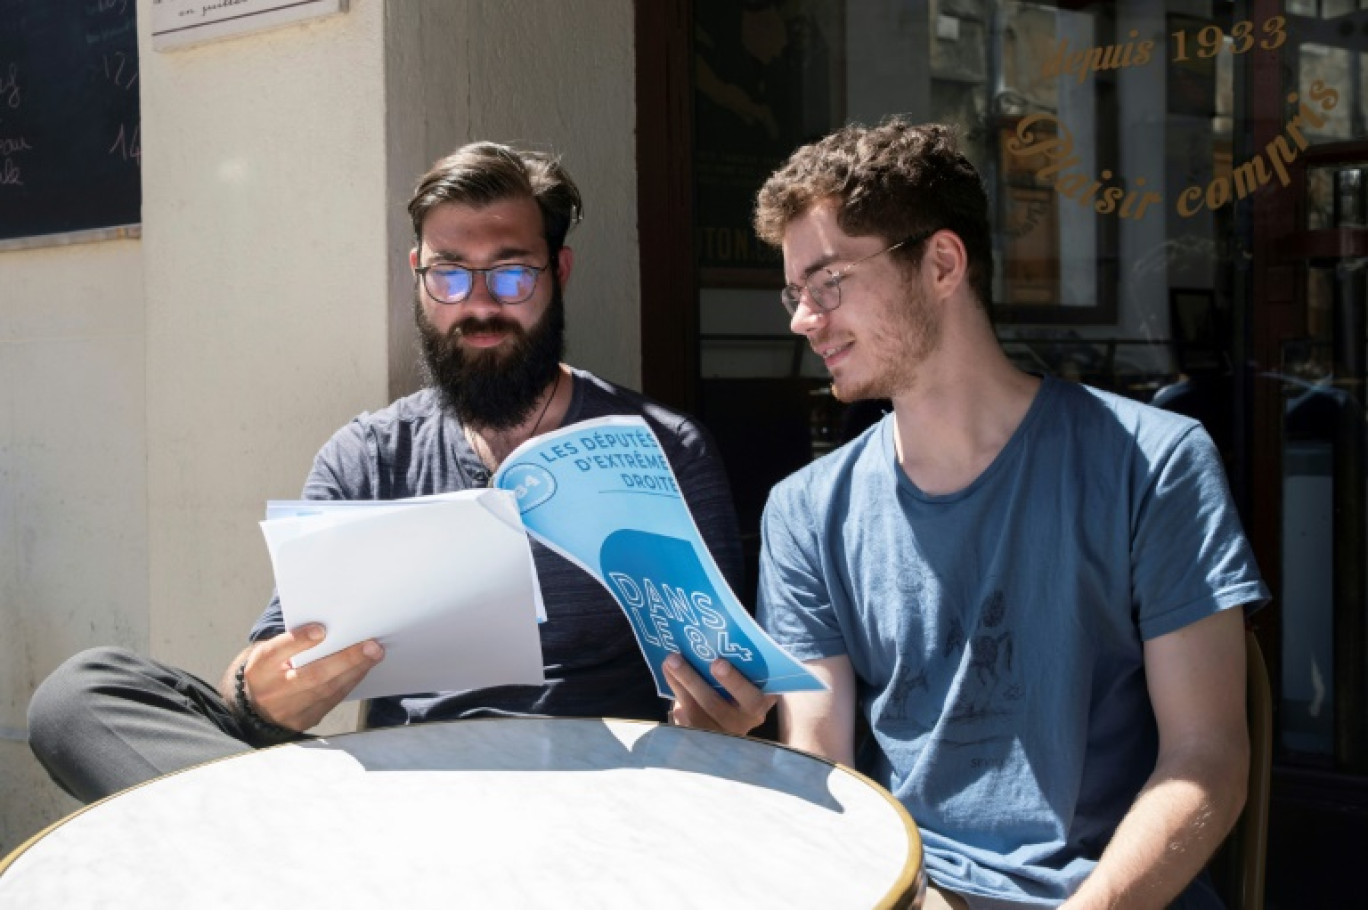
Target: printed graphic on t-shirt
(982, 678)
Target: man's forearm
(1169, 834)
(822, 723)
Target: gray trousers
(108, 719)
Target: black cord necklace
(546, 407)
(474, 438)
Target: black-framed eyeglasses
(823, 286)
(450, 283)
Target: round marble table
(486, 813)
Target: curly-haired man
(1030, 591)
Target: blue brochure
(602, 494)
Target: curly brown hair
(485, 172)
(895, 180)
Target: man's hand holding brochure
(447, 584)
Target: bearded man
(490, 266)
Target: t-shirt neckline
(1009, 451)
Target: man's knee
(108, 718)
(63, 699)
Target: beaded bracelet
(258, 724)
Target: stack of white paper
(445, 583)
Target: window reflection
(1180, 200)
(1110, 135)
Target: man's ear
(413, 258)
(565, 264)
(946, 262)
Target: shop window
(1110, 170)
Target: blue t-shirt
(996, 633)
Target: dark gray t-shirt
(593, 665)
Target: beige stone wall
(155, 392)
(73, 485)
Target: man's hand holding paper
(299, 697)
(445, 584)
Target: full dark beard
(497, 388)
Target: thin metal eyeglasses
(823, 286)
(449, 283)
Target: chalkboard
(69, 131)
